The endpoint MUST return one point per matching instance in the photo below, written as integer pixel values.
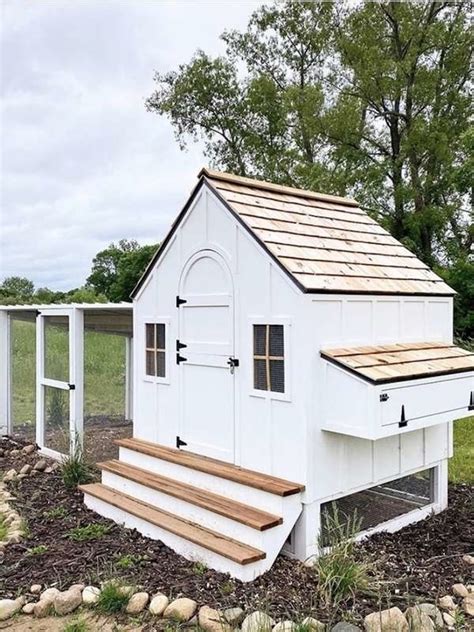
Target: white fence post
(5, 374)
(76, 374)
(128, 378)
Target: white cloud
(83, 163)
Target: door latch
(384, 397)
(471, 401)
(232, 362)
(180, 442)
(403, 420)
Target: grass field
(104, 369)
(104, 365)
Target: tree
(17, 289)
(117, 269)
(370, 100)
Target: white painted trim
(169, 349)
(5, 374)
(128, 378)
(76, 375)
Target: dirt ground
(420, 562)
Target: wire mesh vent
(269, 364)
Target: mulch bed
(422, 560)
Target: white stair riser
(242, 493)
(189, 550)
(188, 511)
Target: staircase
(232, 519)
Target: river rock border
(11, 519)
(424, 617)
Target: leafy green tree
(16, 289)
(84, 295)
(117, 269)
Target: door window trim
(267, 394)
(156, 320)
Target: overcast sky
(82, 162)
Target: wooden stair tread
(250, 516)
(220, 544)
(264, 482)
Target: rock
(392, 620)
(9, 607)
(470, 588)
(257, 622)
(48, 470)
(468, 605)
(67, 601)
(90, 595)
(137, 603)
(192, 623)
(28, 608)
(158, 604)
(49, 594)
(26, 469)
(343, 626)
(211, 620)
(447, 603)
(35, 589)
(449, 620)
(77, 587)
(433, 612)
(418, 620)
(40, 465)
(55, 466)
(314, 625)
(14, 452)
(43, 608)
(181, 609)
(233, 616)
(468, 559)
(28, 449)
(10, 476)
(459, 590)
(285, 626)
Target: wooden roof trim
(270, 186)
(344, 352)
(360, 276)
(392, 363)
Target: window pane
(260, 375)
(56, 419)
(160, 364)
(150, 336)
(276, 340)
(259, 337)
(160, 336)
(277, 376)
(150, 363)
(56, 348)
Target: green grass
(78, 625)
(57, 512)
(112, 599)
(38, 550)
(92, 531)
(128, 561)
(461, 466)
(104, 370)
(3, 527)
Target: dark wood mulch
(422, 560)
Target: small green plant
(57, 409)
(459, 620)
(112, 599)
(37, 550)
(78, 625)
(92, 531)
(75, 470)
(199, 568)
(3, 527)
(128, 561)
(56, 512)
(227, 587)
(340, 575)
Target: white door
(206, 328)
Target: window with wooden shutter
(155, 349)
(268, 358)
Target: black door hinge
(403, 421)
(180, 358)
(180, 442)
(180, 345)
(180, 301)
(471, 401)
(384, 397)
(72, 387)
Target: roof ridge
(271, 186)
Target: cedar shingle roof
(393, 363)
(326, 243)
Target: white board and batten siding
(240, 284)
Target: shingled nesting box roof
(327, 243)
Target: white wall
(270, 430)
(343, 464)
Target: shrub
(92, 531)
(340, 574)
(75, 470)
(112, 598)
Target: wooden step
(227, 547)
(264, 482)
(255, 518)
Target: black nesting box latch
(403, 421)
(471, 401)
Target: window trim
(155, 379)
(270, 320)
